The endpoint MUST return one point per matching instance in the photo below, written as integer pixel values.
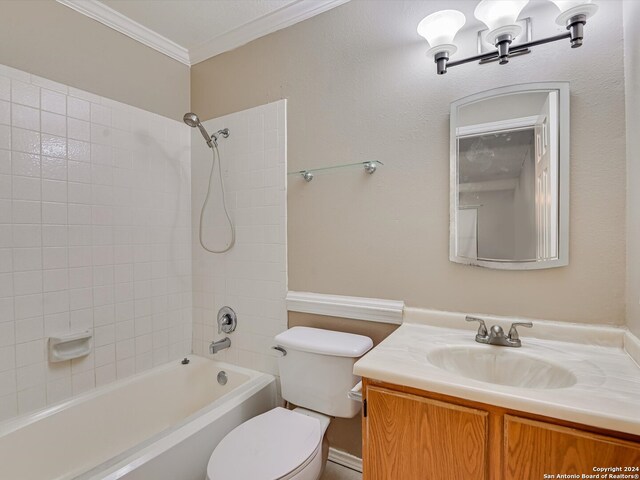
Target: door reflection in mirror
(506, 172)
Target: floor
(333, 471)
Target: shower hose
(215, 153)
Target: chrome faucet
(215, 347)
(496, 335)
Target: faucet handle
(227, 320)
(482, 328)
(513, 331)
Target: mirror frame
(563, 176)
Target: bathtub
(161, 425)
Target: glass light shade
(500, 16)
(440, 28)
(565, 5)
(571, 8)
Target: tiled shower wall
(252, 277)
(95, 234)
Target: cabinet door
(533, 449)
(413, 438)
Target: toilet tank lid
(324, 342)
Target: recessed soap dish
(69, 346)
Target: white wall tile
(28, 306)
(251, 277)
(27, 283)
(25, 141)
(8, 334)
(5, 88)
(54, 124)
(29, 353)
(54, 191)
(53, 146)
(78, 108)
(79, 214)
(24, 211)
(25, 94)
(5, 113)
(27, 235)
(27, 259)
(5, 162)
(25, 117)
(25, 164)
(31, 399)
(54, 102)
(29, 329)
(78, 129)
(25, 188)
(59, 390)
(79, 150)
(100, 114)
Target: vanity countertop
(606, 392)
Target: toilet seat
(273, 446)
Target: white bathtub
(161, 425)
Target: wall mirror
(509, 206)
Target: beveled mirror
(509, 205)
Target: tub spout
(215, 347)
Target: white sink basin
(502, 366)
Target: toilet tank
(317, 371)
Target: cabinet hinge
(364, 407)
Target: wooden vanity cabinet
(411, 434)
(533, 448)
(408, 437)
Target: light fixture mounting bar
(503, 51)
(517, 50)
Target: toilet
(316, 374)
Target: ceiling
(191, 31)
(493, 157)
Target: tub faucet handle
(227, 320)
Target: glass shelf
(370, 167)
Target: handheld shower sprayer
(193, 121)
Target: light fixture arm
(575, 33)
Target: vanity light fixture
(439, 29)
(500, 17)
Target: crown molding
(290, 14)
(277, 20)
(113, 19)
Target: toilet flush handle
(281, 350)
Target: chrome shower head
(193, 121)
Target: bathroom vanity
(438, 405)
(415, 434)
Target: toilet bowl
(280, 444)
(316, 372)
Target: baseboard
(345, 459)
(632, 346)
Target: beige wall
(360, 88)
(344, 433)
(48, 39)
(632, 82)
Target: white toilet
(316, 373)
